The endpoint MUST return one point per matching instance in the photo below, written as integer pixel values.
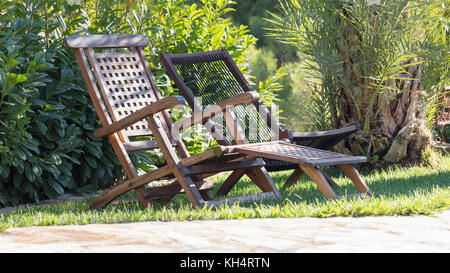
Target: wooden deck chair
(206, 78)
(129, 105)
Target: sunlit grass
(397, 191)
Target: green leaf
(100, 172)
(28, 172)
(55, 159)
(12, 62)
(92, 162)
(41, 127)
(13, 79)
(17, 180)
(74, 160)
(21, 154)
(56, 186)
(36, 169)
(94, 150)
(17, 98)
(88, 188)
(52, 169)
(20, 166)
(66, 181)
(4, 170)
(61, 22)
(49, 191)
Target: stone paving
(338, 234)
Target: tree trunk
(398, 133)
(394, 128)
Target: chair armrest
(285, 134)
(324, 139)
(140, 114)
(211, 111)
(347, 130)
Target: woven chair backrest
(211, 77)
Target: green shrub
(251, 13)
(284, 86)
(46, 116)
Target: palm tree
(365, 61)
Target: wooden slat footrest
(303, 155)
(242, 199)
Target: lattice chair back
(214, 77)
(120, 83)
(124, 80)
(125, 86)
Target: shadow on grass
(380, 183)
(305, 190)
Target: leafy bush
(446, 133)
(284, 86)
(251, 13)
(46, 116)
(47, 119)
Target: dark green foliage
(46, 117)
(252, 13)
(446, 133)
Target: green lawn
(397, 191)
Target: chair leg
(206, 195)
(189, 188)
(262, 179)
(172, 160)
(230, 182)
(254, 178)
(329, 180)
(316, 175)
(295, 176)
(356, 178)
(140, 192)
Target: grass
(397, 191)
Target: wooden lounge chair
(129, 105)
(213, 76)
